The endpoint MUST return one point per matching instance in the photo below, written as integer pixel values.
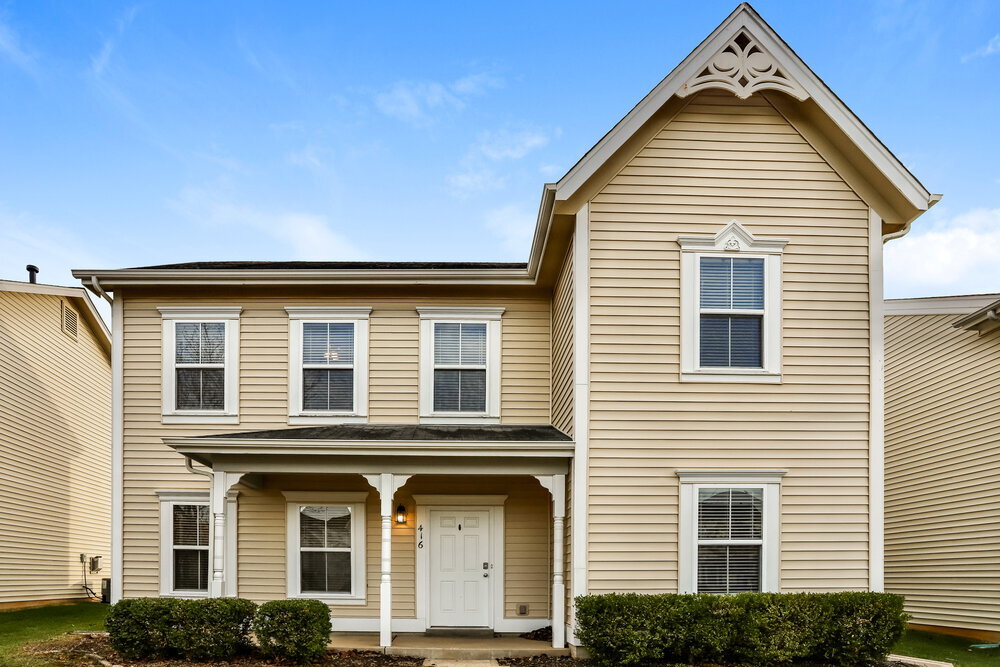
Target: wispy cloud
(513, 226)
(309, 236)
(477, 169)
(269, 65)
(992, 47)
(99, 61)
(310, 157)
(419, 102)
(13, 50)
(955, 255)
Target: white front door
(460, 568)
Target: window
(328, 364)
(326, 546)
(729, 531)
(731, 307)
(200, 370)
(460, 365)
(185, 557)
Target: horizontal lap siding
(55, 451)
(721, 159)
(942, 481)
(562, 347)
(393, 392)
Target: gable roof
(768, 63)
(77, 295)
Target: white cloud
(476, 173)
(308, 235)
(510, 144)
(99, 61)
(513, 226)
(992, 47)
(474, 180)
(955, 255)
(309, 157)
(419, 102)
(12, 49)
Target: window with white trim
(328, 364)
(729, 531)
(184, 545)
(460, 364)
(326, 546)
(731, 307)
(200, 364)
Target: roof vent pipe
(32, 271)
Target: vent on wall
(70, 320)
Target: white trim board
(876, 409)
(117, 456)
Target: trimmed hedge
(210, 629)
(843, 629)
(294, 629)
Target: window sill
(459, 419)
(181, 418)
(294, 420)
(185, 595)
(743, 377)
(330, 599)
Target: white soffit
(744, 55)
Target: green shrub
(209, 629)
(212, 629)
(141, 628)
(749, 628)
(294, 629)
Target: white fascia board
(280, 447)
(745, 18)
(940, 305)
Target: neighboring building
(55, 443)
(942, 434)
(677, 391)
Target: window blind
(190, 547)
(730, 540)
(200, 358)
(328, 366)
(459, 367)
(325, 549)
(731, 284)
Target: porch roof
(402, 448)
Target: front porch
(425, 528)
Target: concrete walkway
(446, 650)
(460, 663)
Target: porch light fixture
(400, 515)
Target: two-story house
(55, 444)
(679, 391)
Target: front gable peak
(743, 67)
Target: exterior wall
(942, 445)
(562, 347)
(527, 539)
(718, 159)
(55, 444)
(393, 393)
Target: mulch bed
(566, 661)
(90, 650)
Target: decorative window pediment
(743, 67)
(734, 237)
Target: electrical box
(106, 590)
(522, 610)
(95, 563)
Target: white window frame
(734, 240)
(769, 481)
(431, 315)
(168, 500)
(356, 500)
(297, 316)
(226, 315)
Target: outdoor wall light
(400, 515)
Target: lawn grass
(24, 626)
(946, 648)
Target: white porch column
(386, 484)
(218, 501)
(556, 484)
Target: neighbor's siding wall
(562, 347)
(719, 159)
(942, 480)
(393, 398)
(55, 451)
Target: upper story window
(200, 364)
(729, 531)
(460, 364)
(730, 307)
(328, 364)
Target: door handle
(486, 574)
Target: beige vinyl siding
(393, 398)
(942, 481)
(721, 159)
(55, 451)
(562, 347)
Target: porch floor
(446, 648)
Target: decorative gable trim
(734, 237)
(743, 67)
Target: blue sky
(135, 134)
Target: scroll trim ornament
(743, 67)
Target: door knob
(486, 574)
